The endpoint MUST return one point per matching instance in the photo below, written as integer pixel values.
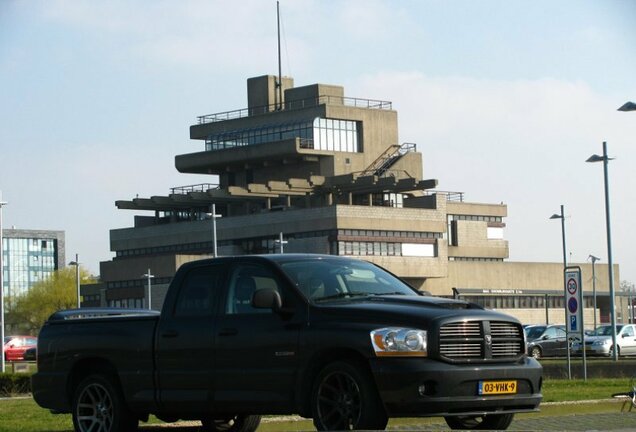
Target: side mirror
(545, 337)
(267, 298)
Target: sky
(504, 99)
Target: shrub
(13, 384)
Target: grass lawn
(25, 416)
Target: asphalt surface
(620, 422)
(617, 422)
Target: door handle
(170, 334)
(228, 332)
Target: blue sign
(573, 305)
(573, 326)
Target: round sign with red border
(572, 286)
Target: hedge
(14, 384)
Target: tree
(58, 291)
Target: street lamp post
(281, 242)
(76, 263)
(149, 276)
(594, 259)
(2, 204)
(213, 216)
(565, 264)
(605, 159)
(629, 106)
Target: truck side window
(197, 291)
(244, 281)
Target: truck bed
(124, 339)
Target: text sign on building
(574, 303)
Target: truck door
(185, 348)
(257, 353)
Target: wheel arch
(86, 367)
(313, 368)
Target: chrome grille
(480, 340)
(507, 340)
(461, 350)
(461, 329)
(461, 340)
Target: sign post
(574, 325)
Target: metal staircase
(388, 158)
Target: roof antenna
(279, 84)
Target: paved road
(622, 422)
(617, 422)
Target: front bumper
(452, 389)
(602, 350)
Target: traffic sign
(572, 286)
(574, 302)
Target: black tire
(344, 397)
(535, 352)
(99, 406)
(238, 423)
(611, 352)
(485, 422)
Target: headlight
(399, 342)
(603, 342)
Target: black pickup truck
(338, 340)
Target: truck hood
(408, 310)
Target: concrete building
(330, 173)
(29, 256)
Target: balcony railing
(450, 196)
(201, 187)
(296, 105)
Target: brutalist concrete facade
(328, 172)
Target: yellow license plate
(497, 387)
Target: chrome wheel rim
(94, 411)
(339, 402)
(225, 424)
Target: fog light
(422, 390)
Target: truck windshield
(326, 280)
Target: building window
(319, 133)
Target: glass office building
(29, 256)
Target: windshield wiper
(342, 295)
(389, 293)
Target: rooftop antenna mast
(279, 84)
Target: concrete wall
(515, 275)
(555, 316)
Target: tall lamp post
(76, 263)
(605, 159)
(213, 216)
(565, 264)
(629, 106)
(594, 259)
(2, 204)
(149, 276)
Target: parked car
(31, 354)
(15, 346)
(600, 341)
(335, 339)
(546, 341)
